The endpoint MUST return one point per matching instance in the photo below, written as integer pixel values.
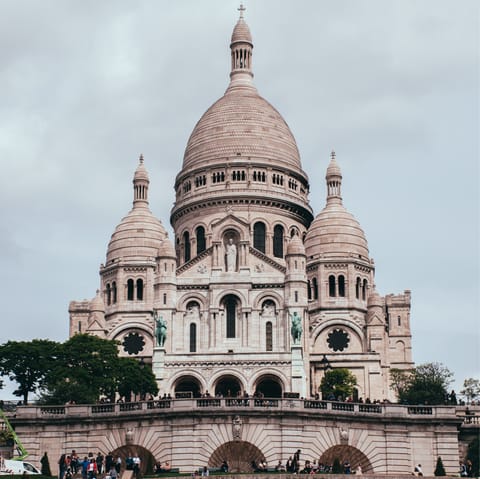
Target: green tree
(338, 383)
(86, 369)
(471, 389)
(26, 363)
(439, 469)
(427, 384)
(134, 377)
(399, 380)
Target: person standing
(62, 466)
(99, 461)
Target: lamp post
(325, 365)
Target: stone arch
(270, 296)
(147, 459)
(344, 452)
(322, 328)
(264, 373)
(238, 454)
(188, 383)
(187, 298)
(269, 385)
(228, 385)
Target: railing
(288, 405)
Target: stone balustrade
(307, 406)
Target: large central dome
(241, 123)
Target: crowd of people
(90, 467)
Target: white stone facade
(241, 190)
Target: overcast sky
(392, 86)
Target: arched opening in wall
(193, 338)
(201, 243)
(343, 453)
(114, 292)
(309, 289)
(364, 289)
(278, 241)
(140, 289)
(341, 286)
(130, 289)
(269, 336)
(315, 288)
(269, 386)
(228, 386)
(188, 384)
(186, 246)
(230, 304)
(238, 454)
(331, 286)
(147, 459)
(109, 294)
(259, 236)
(358, 286)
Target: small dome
(97, 304)
(166, 249)
(333, 169)
(138, 236)
(241, 32)
(295, 247)
(141, 172)
(335, 232)
(374, 299)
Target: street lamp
(325, 363)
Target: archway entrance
(238, 454)
(269, 387)
(188, 384)
(147, 461)
(228, 386)
(351, 454)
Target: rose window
(133, 343)
(338, 340)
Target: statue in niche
(193, 311)
(231, 255)
(296, 329)
(160, 329)
(268, 309)
(237, 428)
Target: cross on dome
(332, 154)
(241, 9)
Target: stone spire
(241, 47)
(140, 185)
(334, 181)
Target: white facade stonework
(242, 191)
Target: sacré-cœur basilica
(248, 255)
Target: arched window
(341, 286)
(231, 315)
(278, 241)
(200, 234)
(140, 289)
(315, 288)
(357, 288)
(269, 336)
(193, 338)
(364, 289)
(309, 289)
(331, 286)
(259, 236)
(186, 247)
(130, 289)
(114, 292)
(109, 294)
